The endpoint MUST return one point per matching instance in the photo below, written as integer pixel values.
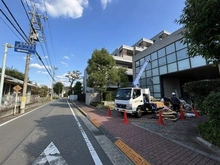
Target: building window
(163, 69)
(182, 54)
(137, 63)
(156, 88)
(155, 72)
(154, 64)
(141, 61)
(161, 52)
(179, 45)
(171, 58)
(197, 61)
(137, 70)
(143, 83)
(170, 48)
(148, 73)
(172, 67)
(184, 64)
(155, 80)
(162, 61)
(154, 56)
(147, 58)
(143, 75)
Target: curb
(129, 152)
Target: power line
(14, 19)
(13, 25)
(10, 28)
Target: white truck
(131, 99)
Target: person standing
(175, 102)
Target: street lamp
(6, 45)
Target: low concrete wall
(9, 111)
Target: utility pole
(3, 71)
(24, 91)
(52, 92)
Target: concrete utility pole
(23, 99)
(6, 45)
(52, 92)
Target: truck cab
(131, 100)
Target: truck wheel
(138, 112)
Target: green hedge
(206, 95)
(210, 130)
(199, 90)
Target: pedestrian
(175, 102)
(146, 102)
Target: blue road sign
(24, 47)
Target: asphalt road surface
(56, 134)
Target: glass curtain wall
(171, 58)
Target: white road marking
(92, 151)
(51, 155)
(21, 115)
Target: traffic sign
(24, 47)
(17, 88)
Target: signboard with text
(24, 47)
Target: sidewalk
(146, 142)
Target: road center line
(92, 151)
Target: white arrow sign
(51, 155)
(20, 50)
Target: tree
(122, 79)
(77, 88)
(58, 88)
(100, 72)
(13, 73)
(43, 91)
(202, 28)
(72, 76)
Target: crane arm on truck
(136, 80)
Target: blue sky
(75, 28)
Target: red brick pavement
(152, 147)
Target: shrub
(199, 90)
(209, 133)
(210, 130)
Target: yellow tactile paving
(95, 122)
(136, 158)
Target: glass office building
(170, 66)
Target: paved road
(56, 133)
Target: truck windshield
(123, 94)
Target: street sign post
(16, 88)
(24, 47)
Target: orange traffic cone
(181, 114)
(195, 112)
(109, 112)
(160, 120)
(125, 121)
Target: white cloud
(45, 57)
(45, 72)
(38, 66)
(60, 77)
(41, 72)
(64, 8)
(64, 63)
(66, 57)
(104, 3)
